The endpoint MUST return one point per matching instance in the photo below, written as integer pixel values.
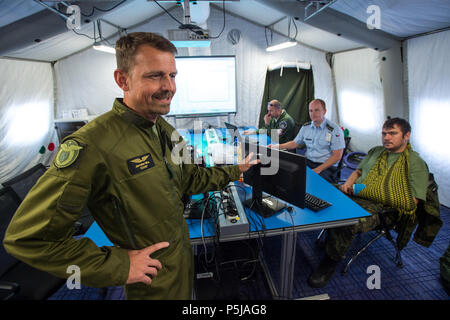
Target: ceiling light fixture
(191, 43)
(282, 45)
(102, 47)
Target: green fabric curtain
(295, 90)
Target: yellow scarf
(390, 186)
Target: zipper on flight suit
(162, 137)
(124, 220)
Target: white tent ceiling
(29, 30)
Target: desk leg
(287, 264)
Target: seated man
(324, 141)
(277, 119)
(391, 175)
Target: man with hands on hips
(121, 166)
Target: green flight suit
(124, 173)
(285, 123)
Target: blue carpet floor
(419, 279)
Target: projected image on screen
(205, 86)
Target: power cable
(102, 10)
(223, 26)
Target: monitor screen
(65, 128)
(205, 86)
(281, 174)
(234, 132)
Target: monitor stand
(264, 206)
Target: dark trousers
(328, 174)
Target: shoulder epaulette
(330, 128)
(307, 123)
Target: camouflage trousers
(339, 239)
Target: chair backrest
(347, 144)
(22, 183)
(9, 202)
(340, 165)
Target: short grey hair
(276, 104)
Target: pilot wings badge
(140, 163)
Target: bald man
(278, 119)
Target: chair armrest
(12, 287)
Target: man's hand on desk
(317, 170)
(273, 146)
(142, 265)
(248, 163)
(346, 188)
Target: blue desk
(343, 212)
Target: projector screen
(205, 86)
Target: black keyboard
(315, 204)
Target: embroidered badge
(283, 125)
(140, 163)
(67, 154)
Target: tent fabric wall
(429, 99)
(86, 80)
(91, 73)
(360, 97)
(26, 115)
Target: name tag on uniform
(140, 163)
(328, 137)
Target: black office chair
(389, 222)
(23, 183)
(19, 281)
(341, 164)
(384, 229)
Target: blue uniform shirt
(320, 141)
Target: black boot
(320, 277)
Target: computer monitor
(236, 136)
(281, 174)
(234, 132)
(65, 128)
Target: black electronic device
(234, 133)
(65, 128)
(198, 208)
(281, 174)
(236, 137)
(314, 203)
